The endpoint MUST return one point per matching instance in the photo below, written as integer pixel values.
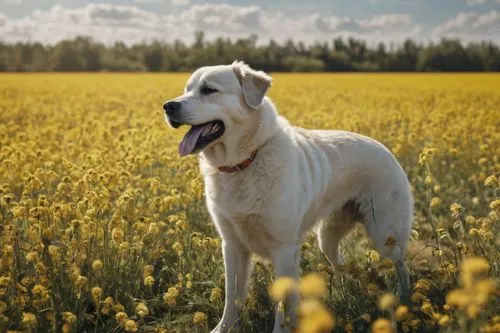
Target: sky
(134, 21)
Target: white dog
(268, 183)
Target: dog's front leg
(237, 264)
(286, 264)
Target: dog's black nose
(171, 106)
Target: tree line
(85, 54)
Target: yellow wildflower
(97, 265)
(147, 270)
(373, 255)
(199, 317)
(215, 295)
(130, 326)
(435, 202)
(314, 317)
(458, 298)
(402, 312)
(96, 294)
(29, 320)
(382, 325)
(281, 288)
(312, 285)
(149, 281)
(121, 317)
(69, 318)
(387, 301)
(170, 296)
(142, 310)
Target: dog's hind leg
(388, 226)
(330, 232)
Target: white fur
(300, 179)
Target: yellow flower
(96, 293)
(373, 255)
(435, 202)
(415, 323)
(97, 265)
(473, 311)
(314, 317)
(199, 317)
(41, 292)
(130, 326)
(147, 270)
(118, 308)
(458, 298)
(29, 320)
(402, 312)
(107, 305)
(426, 307)
(312, 285)
(281, 288)
(69, 318)
(487, 286)
(170, 296)
(387, 301)
(81, 281)
(366, 317)
(471, 268)
(382, 325)
(456, 209)
(121, 317)
(32, 256)
(142, 310)
(117, 235)
(495, 205)
(66, 328)
(491, 181)
(423, 285)
(372, 288)
(445, 320)
(215, 295)
(149, 281)
(178, 248)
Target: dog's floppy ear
(254, 83)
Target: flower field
(104, 229)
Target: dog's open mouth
(200, 136)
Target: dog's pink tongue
(188, 143)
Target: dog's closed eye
(207, 90)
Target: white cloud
(470, 25)
(3, 20)
(475, 2)
(109, 23)
(147, 1)
(180, 2)
(13, 2)
(479, 2)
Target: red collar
(238, 167)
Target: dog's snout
(171, 106)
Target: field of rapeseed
(103, 227)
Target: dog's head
(218, 103)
